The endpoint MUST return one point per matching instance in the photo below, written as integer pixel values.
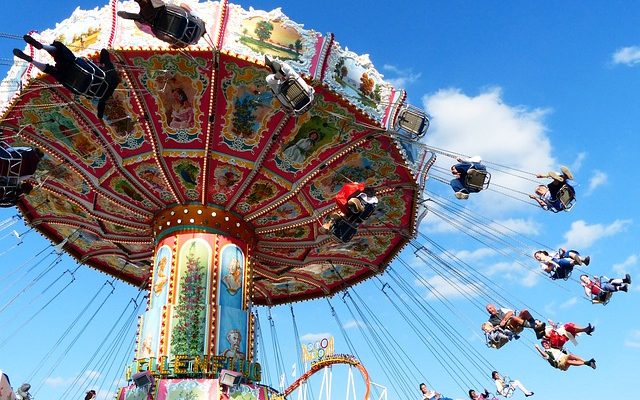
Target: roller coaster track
(330, 360)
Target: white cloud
(92, 374)
(439, 287)
(514, 272)
(434, 224)
(502, 134)
(577, 163)
(516, 226)
(629, 56)
(569, 303)
(314, 337)
(530, 278)
(473, 256)
(403, 76)
(353, 324)
(56, 381)
(624, 266)
(60, 381)
(582, 235)
(633, 340)
(598, 179)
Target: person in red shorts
(558, 335)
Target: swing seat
(565, 199)
(604, 300)
(86, 79)
(359, 218)
(566, 196)
(10, 163)
(178, 26)
(16, 162)
(597, 299)
(413, 121)
(561, 273)
(496, 344)
(343, 230)
(296, 95)
(477, 179)
(509, 390)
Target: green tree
(243, 119)
(366, 84)
(298, 46)
(189, 333)
(263, 30)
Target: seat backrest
(496, 344)
(413, 121)
(86, 79)
(477, 179)
(296, 94)
(566, 196)
(178, 26)
(598, 300)
(10, 161)
(343, 230)
(79, 80)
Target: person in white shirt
(505, 387)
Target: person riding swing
(355, 204)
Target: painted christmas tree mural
(189, 332)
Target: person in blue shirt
(458, 184)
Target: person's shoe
(566, 172)
(273, 65)
(32, 42)
(529, 394)
(105, 57)
(540, 330)
(627, 279)
(590, 329)
(586, 260)
(131, 16)
(326, 227)
(355, 205)
(462, 196)
(20, 54)
(592, 363)
(555, 176)
(624, 288)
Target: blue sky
(526, 85)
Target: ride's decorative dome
(198, 126)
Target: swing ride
(200, 184)
(208, 189)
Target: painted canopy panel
(200, 126)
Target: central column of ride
(198, 320)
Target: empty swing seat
(413, 120)
(178, 26)
(296, 95)
(86, 79)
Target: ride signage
(318, 350)
(194, 366)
